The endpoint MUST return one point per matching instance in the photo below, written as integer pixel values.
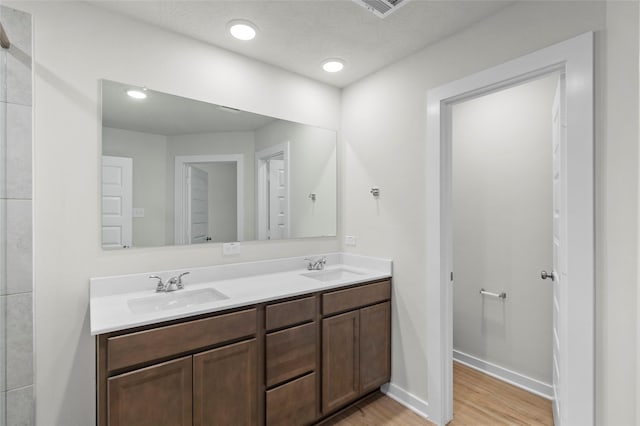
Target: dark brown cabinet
(375, 346)
(340, 360)
(293, 403)
(291, 362)
(202, 386)
(225, 383)
(356, 345)
(153, 396)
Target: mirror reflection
(181, 171)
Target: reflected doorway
(272, 174)
(209, 194)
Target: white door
(117, 202)
(272, 192)
(559, 273)
(198, 181)
(278, 192)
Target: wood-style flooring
(479, 400)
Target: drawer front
(294, 403)
(289, 313)
(353, 298)
(148, 345)
(290, 353)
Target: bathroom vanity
(283, 347)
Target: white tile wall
(19, 407)
(3, 350)
(18, 62)
(3, 408)
(3, 133)
(18, 151)
(19, 340)
(3, 246)
(19, 247)
(16, 241)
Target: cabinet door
(152, 396)
(225, 386)
(375, 346)
(340, 357)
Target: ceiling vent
(381, 8)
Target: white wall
(502, 227)
(149, 154)
(223, 143)
(75, 45)
(391, 153)
(312, 170)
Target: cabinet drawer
(148, 345)
(290, 353)
(294, 403)
(352, 298)
(290, 313)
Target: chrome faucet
(173, 281)
(316, 264)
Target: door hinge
(451, 276)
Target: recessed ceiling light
(333, 65)
(137, 93)
(242, 30)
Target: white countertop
(243, 283)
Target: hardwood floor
(379, 410)
(479, 400)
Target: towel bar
(502, 295)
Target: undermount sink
(332, 274)
(174, 300)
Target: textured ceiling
(298, 35)
(169, 115)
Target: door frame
(574, 58)
(181, 212)
(262, 206)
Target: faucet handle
(179, 283)
(160, 286)
(309, 263)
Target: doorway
(203, 182)
(574, 263)
(272, 192)
(502, 206)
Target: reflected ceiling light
(137, 93)
(242, 30)
(333, 65)
(228, 109)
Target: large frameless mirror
(181, 171)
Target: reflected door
(117, 202)
(198, 182)
(272, 183)
(278, 220)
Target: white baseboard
(407, 399)
(527, 383)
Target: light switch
(138, 212)
(350, 240)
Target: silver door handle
(544, 275)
